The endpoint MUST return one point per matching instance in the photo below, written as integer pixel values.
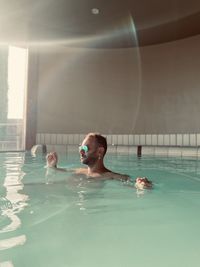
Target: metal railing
(12, 136)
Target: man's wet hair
(100, 139)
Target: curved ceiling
(113, 23)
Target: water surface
(59, 220)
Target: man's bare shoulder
(81, 171)
(106, 175)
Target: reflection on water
(12, 202)
(6, 264)
(81, 199)
(12, 242)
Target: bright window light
(17, 72)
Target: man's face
(91, 156)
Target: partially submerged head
(93, 148)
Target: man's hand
(52, 159)
(143, 183)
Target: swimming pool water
(60, 220)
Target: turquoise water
(56, 219)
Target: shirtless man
(92, 152)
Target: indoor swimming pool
(51, 218)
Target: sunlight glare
(17, 66)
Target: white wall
(171, 88)
(123, 91)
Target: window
(13, 85)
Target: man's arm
(117, 176)
(52, 161)
(140, 183)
